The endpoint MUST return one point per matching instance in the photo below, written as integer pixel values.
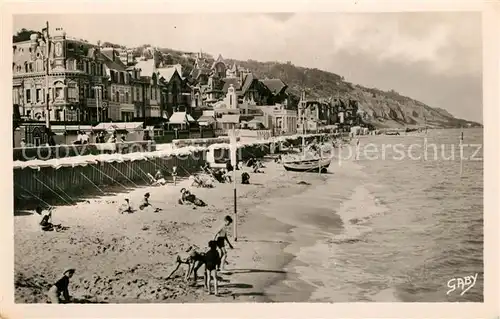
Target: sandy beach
(125, 258)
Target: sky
(432, 57)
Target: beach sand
(125, 258)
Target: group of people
(213, 258)
(126, 206)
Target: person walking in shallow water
(221, 239)
(60, 288)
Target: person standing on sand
(61, 288)
(212, 260)
(221, 238)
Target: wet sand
(125, 258)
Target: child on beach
(245, 178)
(61, 288)
(125, 207)
(45, 218)
(212, 260)
(145, 203)
(221, 238)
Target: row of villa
(89, 83)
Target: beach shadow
(22, 213)
(240, 286)
(86, 301)
(263, 241)
(246, 271)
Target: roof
(256, 120)
(219, 60)
(118, 126)
(147, 67)
(230, 118)
(274, 85)
(249, 78)
(180, 118)
(227, 83)
(206, 118)
(168, 72)
(117, 64)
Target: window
(28, 96)
(39, 65)
(92, 69)
(79, 65)
(72, 92)
(156, 96)
(15, 96)
(59, 93)
(31, 67)
(126, 98)
(26, 67)
(101, 66)
(137, 94)
(117, 96)
(39, 95)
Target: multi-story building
(119, 89)
(75, 68)
(284, 121)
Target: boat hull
(308, 165)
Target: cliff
(379, 108)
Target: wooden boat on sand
(308, 165)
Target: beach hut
(180, 120)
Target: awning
(180, 118)
(206, 120)
(128, 126)
(230, 118)
(62, 128)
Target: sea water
(391, 227)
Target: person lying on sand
(257, 168)
(187, 198)
(245, 178)
(61, 288)
(212, 260)
(199, 181)
(145, 203)
(46, 219)
(195, 258)
(221, 238)
(125, 207)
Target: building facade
(75, 68)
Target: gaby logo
(462, 283)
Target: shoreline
(135, 267)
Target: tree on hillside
(23, 35)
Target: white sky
(432, 57)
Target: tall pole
(234, 160)
(461, 150)
(47, 64)
(96, 89)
